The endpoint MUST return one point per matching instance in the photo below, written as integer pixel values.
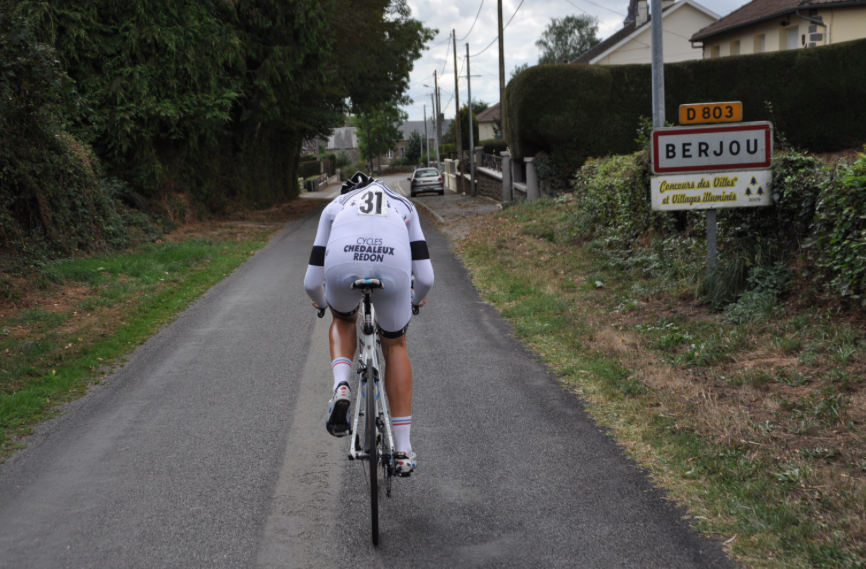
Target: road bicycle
(372, 438)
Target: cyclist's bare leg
(398, 376)
(343, 336)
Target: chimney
(642, 13)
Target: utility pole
(369, 143)
(658, 66)
(435, 134)
(426, 139)
(438, 112)
(501, 75)
(458, 126)
(471, 123)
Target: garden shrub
(494, 146)
(612, 200)
(840, 229)
(585, 110)
(307, 169)
(813, 237)
(52, 193)
(343, 159)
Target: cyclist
(370, 231)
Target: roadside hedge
(494, 146)
(307, 169)
(583, 110)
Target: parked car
(426, 180)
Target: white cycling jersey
(371, 232)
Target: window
(735, 48)
(760, 43)
(793, 36)
(714, 52)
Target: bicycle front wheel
(373, 452)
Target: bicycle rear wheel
(373, 452)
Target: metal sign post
(658, 65)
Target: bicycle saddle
(368, 283)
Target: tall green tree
(211, 95)
(384, 131)
(414, 147)
(377, 43)
(566, 38)
(149, 72)
(477, 107)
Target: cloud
(520, 37)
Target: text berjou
(734, 149)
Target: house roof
(602, 47)
(631, 29)
(408, 126)
(488, 115)
(760, 10)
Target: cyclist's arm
(422, 268)
(314, 280)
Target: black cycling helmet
(359, 180)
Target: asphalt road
(208, 449)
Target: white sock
(342, 368)
(402, 426)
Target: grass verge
(754, 422)
(69, 324)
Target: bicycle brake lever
(321, 312)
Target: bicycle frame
(368, 357)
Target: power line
(597, 19)
(503, 29)
(447, 52)
(441, 42)
(594, 4)
(473, 23)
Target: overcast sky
(520, 37)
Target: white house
(633, 43)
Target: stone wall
(488, 186)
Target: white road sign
(746, 188)
(743, 146)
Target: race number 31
(373, 202)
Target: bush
(53, 197)
(494, 146)
(307, 169)
(360, 166)
(397, 162)
(343, 159)
(814, 236)
(612, 201)
(447, 148)
(585, 110)
(840, 229)
(311, 184)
